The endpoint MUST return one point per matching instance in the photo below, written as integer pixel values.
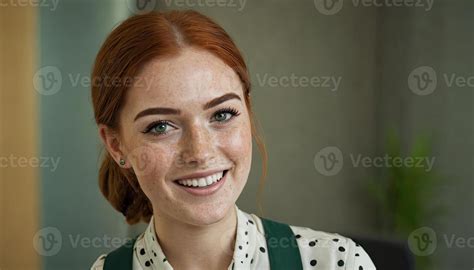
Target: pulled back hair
(128, 48)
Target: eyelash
(233, 112)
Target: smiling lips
(202, 181)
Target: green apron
(283, 252)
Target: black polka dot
(251, 261)
(312, 244)
(313, 262)
(246, 255)
(147, 264)
(246, 232)
(240, 247)
(357, 254)
(262, 249)
(164, 260)
(142, 251)
(340, 263)
(342, 249)
(298, 236)
(335, 240)
(361, 268)
(250, 221)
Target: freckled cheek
(236, 144)
(160, 164)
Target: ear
(111, 139)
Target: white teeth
(210, 180)
(202, 182)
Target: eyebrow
(162, 110)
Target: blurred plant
(406, 195)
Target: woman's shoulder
(309, 235)
(327, 249)
(99, 263)
(329, 239)
(332, 249)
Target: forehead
(192, 77)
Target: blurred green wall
(70, 37)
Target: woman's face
(198, 139)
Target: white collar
(151, 256)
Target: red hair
(127, 49)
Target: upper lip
(200, 174)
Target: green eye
(160, 128)
(220, 117)
(157, 128)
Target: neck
(197, 247)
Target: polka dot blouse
(319, 250)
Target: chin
(208, 214)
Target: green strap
(283, 251)
(121, 258)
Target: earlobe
(111, 142)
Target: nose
(197, 147)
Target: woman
(171, 97)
